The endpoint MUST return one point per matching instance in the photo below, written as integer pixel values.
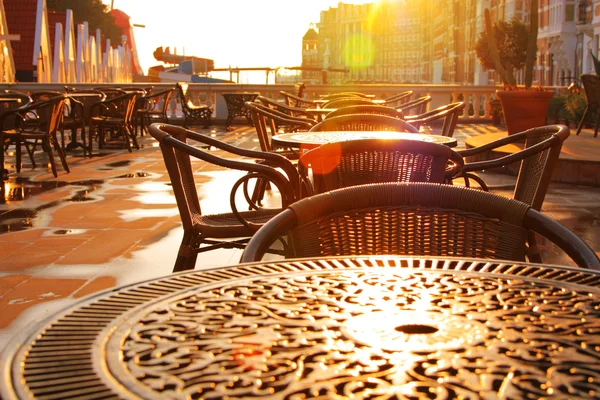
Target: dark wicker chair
(358, 162)
(79, 115)
(413, 219)
(33, 123)
(343, 95)
(292, 100)
(416, 106)
(155, 108)
(591, 87)
(346, 101)
(203, 232)
(291, 111)
(363, 122)
(367, 109)
(448, 114)
(398, 99)
(535, 162)
(192, 113)
(112, 121)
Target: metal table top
(314, 139)
(371, 327)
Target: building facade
(433, 41)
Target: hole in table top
(416, 329)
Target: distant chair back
(358, 162)
(343, 95)
(413, 219)
(591, 87)
(366, 109)
(416, 106)
(363, 122)
(398, 99)
(346, 101)
(448, 114)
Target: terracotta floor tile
(32, 292)
(10, 282)
(104, 247)
(97, 285)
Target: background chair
(398, 99)
(363, 122)
(37, 121)
(359, 162)
(204, 232)
(539, 155)
(415, 107)
(413, 219)
(113, 119)
(192, 113)
(155, 108)
(292, 100)
(591, 87)
(291, 111)
(346, 101)
(80, 104)
(448, 114)
(367, 109)
(341, 95)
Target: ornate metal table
(235, 106)
(368, 327)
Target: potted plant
(506, 47)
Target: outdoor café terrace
(113, 219)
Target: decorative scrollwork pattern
(382, 333)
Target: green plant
(514, 38)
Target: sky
(236, 33)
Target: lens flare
(359, 51)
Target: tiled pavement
(113, 221)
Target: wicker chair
(591, 86)
(541, 150)
(155, 108)
(192, 113)
(37, 121)
(346, 101)
(398, 99)
(343, 95)
(112, 121)
(413, 219)
(204, 232)
(359, 162)
(448, 114)
(367, 109)
(291, 111)
(363, 122)
(268, 122)
(79, 115)
(416, 106)
(292, 100)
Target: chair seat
(227, 225)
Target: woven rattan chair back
(363, 122)
(416, 106)
(291, 100)
(539, 157)
(275, 105)
(591, 87)
(268, 122)
(343, 95)
(366, 109)
(225, 230)
(398, 99)
(358, 162)
(346, 101)
(447, 114)
(413, 219)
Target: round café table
(363, 327)
(309, 140)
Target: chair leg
(186, 257)
(48, 147)
(585, 114)
(18, 154)
(61, 155)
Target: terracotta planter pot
(524, 109)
